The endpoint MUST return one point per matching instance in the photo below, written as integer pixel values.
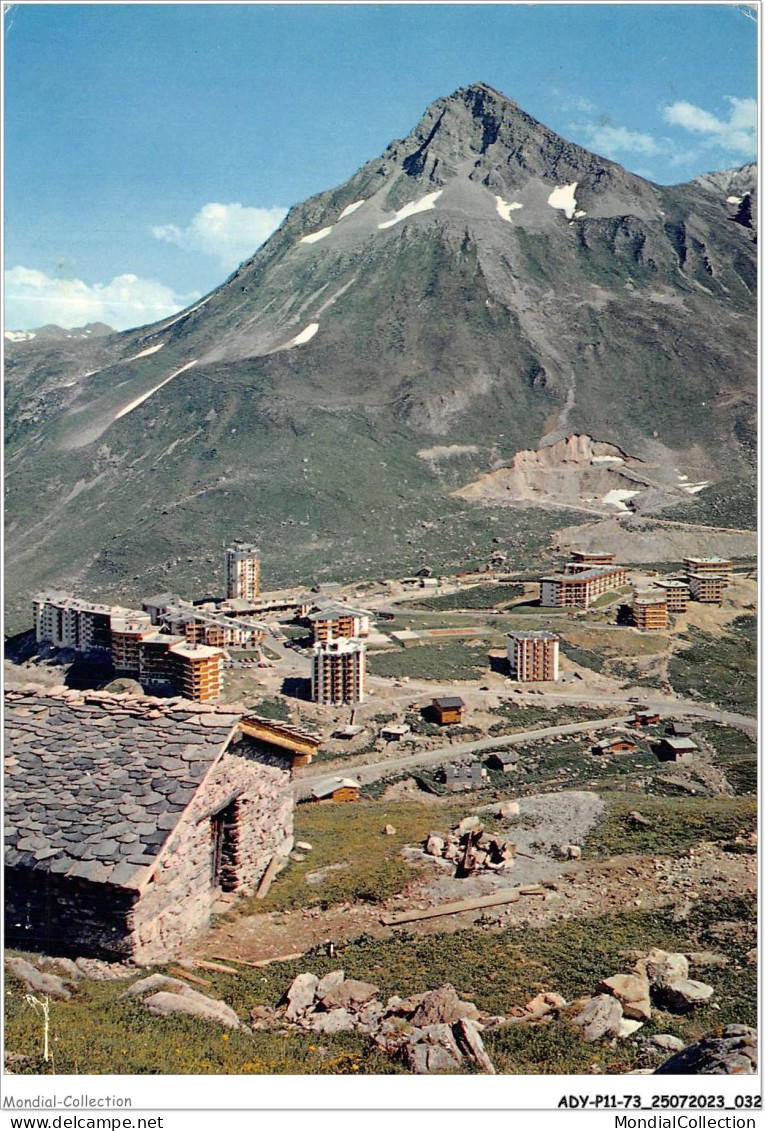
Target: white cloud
(232, 232)
(610, 140)
(738, 133)
(33, 298)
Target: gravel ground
(558, 819)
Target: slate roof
(448, 701)
(95, 783)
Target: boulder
(685, 995)
(662, 967)
(442, 1006)
(601, 1017)
(469, 825)
(263, 1017)
(300, 995)
(510, 809)
(328, 982)
(732, 1054)
(469, 1038)
(667, 1043)
(349, 993)
(389, 830)
(64, 967)
(37, 982)
(434, 846)
(543, 1004)
(423, 1059)
(628, 1027)
(154, 982)
(632, 991)
(707, 959)
(336, 1021)
(442, 1035)
(192, 1004)
(573, 852)
(99, 971)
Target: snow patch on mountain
(504, 208)
(422, 205)
(314, 237)
(564, 197)
(616, 498)
(146, 352)
(145, 396)
(350, 209)
(303, 337)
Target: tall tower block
(243, 571)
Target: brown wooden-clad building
(448, 709)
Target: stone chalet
(125, 818)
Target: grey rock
(469, 1038)
(666, 1042)
(300, 995)
(328, 982)
(442, 1005)
(662, 967)
(685, 995)
(154, 982)
(192, 1004)
(38, 982)
(349, 992)
(424, 1059)
(601, 1017)
(336, 1021)
(733, 1053)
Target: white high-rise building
(243, 571)
(337, 672)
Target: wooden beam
(263, 961)
(190, 977)
(216, 966)
(268, 876)
(509, 895)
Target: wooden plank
(268, 877)
(190, 977)
(279, 958)
(509, 895)
(216, 966)
(263, 961)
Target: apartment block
(193, 670)
(336, 622)
(706, 588)
(197, 670)
(205, 625)
(338, 670)
(649, 610)
(589, 559)
(243, 571)
(69, 622)
(533, 656)
(677, 594)
(579, 590)
(709, 567)
(126, 636)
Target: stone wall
(66, 915)
(178, 902)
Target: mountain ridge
(483, 282)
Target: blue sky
(150, 148)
